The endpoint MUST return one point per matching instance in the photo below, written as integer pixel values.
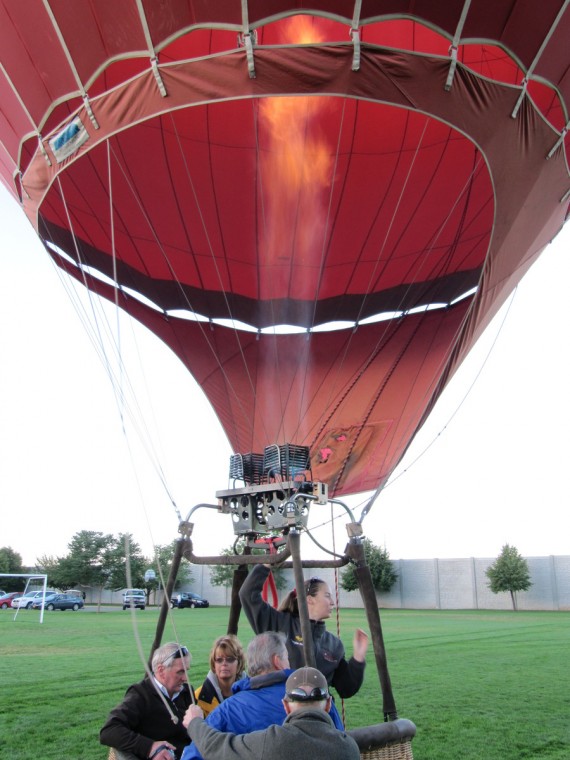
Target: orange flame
(296, 170)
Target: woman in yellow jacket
(227, 665)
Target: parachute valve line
(151, 50)
(89, 111)
(455, 44)
(156, 72)
(29, 115)
(452, 67)
(71, 64)
(43, 150)
(531, 68)
(248, 44)
(355, 36)
(558, 142)
(518, 104)
(247, 38)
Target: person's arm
(348, 676)
(120, 730)
(261, 615)
(213, 743)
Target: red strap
(269, 584)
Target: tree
(83, 566)
(509, 572)
(161, 564)
(114, 563)
(11, 562)
(381, 569)
(222, 575)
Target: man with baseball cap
(308, 731)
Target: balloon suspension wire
(337, 604)
(454, 413)
(214, 260)
(174, 718)
(322, 261)
(201, 324)
(332, 408)
(333, 384)
(369, 501)
(405, 433)
(281, 397)
(108, 347)
(93, 328)
(100, 321)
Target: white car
(28, 599)
(134, 597)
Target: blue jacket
(255, 705)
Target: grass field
(479, 685)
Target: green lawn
(479, 685)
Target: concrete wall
(438, 584)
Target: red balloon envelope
(318, 206)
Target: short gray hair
(261, 651)
(167, 653)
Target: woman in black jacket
(345, 675)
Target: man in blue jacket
(308, 732)
(257, 699)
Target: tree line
(98, 561)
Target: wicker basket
(400, 751)
(385, 741)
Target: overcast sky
(495, 469)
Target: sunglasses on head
(229, 660)
(177, 654)
(312, 582)
(315, 695)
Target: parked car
(75, 592)
(28, 599)
(6, 599)
(188, 599)
(59, 602)
(134, 597)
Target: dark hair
(290, 603)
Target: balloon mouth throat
(84, 270)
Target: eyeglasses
(177, 654)
(228, 660)
(315, 695)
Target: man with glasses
(148, 722)
(307, 732)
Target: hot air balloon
(318, 206)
